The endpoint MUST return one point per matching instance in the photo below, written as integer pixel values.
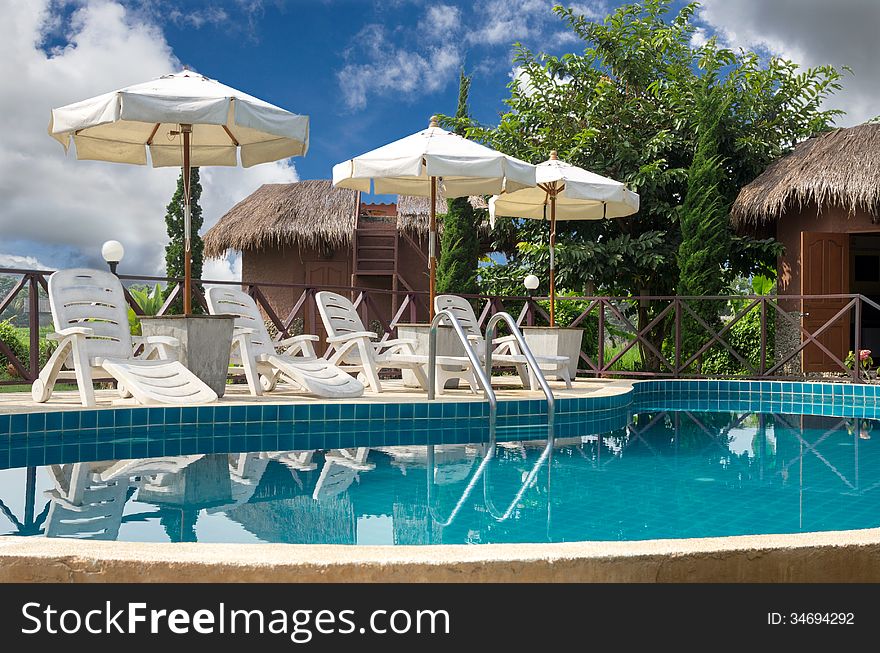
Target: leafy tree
(625, 108)
(705, 238)
(459, 242)
(174, 265)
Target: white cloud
(57, 209)
(21, 262)
(227, 268)
(440, 22)
(381, 68)
(811, 33)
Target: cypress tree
(459, 242)
(704, 225)
(174, 266)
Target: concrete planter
(205, 343)
(448, 344)
(555, 341)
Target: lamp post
(112, 251)
(531, 283)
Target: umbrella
(413, 166)
(573, 194)
(185, 119)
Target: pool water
(667, 474)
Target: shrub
(745, 337)
(11, 337)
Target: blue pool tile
(172, 415)
(285, 441)
(122, 418)
(316, 413)
(4, 424)
(189, 415)
(17, 457)
(253, 414)
(332, 412)
(189, 446)
(270, 414)
(139, 416)
(53, 421)
(106, 418)
(18, 423)
(88, 419)
(36, 422)
(205, 414)
(285, 413)
(236, 413)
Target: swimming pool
(668, 460)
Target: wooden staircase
(378, 246)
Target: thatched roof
(840, 168)
(304, 213)
(413, 212)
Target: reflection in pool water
(668, 474)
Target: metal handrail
(532, 363)
(485, 378)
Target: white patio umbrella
(415, 164)
(184, 119)
(572, 194)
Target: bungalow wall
(842, 256)
(332, 267)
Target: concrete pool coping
(837, 556)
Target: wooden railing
(648, 329)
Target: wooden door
(825, 271)
(323, 275)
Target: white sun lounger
(356, 350)
(94, 338)
(507, 351)
(254, 354)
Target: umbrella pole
(187, 222)
(553, 259)
(432, 249)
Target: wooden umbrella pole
(432, 249)
(187, 223)
(553, 258)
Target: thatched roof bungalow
(311, 234)
(822, 202)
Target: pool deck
(506, 388)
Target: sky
(366, 72)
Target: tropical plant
(705, 238)
(174, 250)
(625, 108)
(149, 301)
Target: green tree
(174, 265)
(459, 242)
(625, 108)
(703, 221)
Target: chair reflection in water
(88, 499)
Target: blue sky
(366, 72)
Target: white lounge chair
(91, 327)
(254, 353)
(355, 348)
(506, 351)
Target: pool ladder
(484, 377)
